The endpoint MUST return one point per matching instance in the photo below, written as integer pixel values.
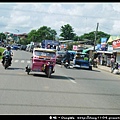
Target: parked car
(19, 46)
(59, 56)
(14, 47)
(23, 47)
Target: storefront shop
(104, 57)
(116, 49)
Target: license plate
(77, 65)
(85, 66)
(50, 66)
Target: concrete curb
(108, 69)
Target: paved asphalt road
(69, 91)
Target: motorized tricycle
(43, 60)
(81, 60)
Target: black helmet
(8, 47)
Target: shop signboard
(116, 44)
(98, 46)
(75, 47)
(110, 48)
(103, 40)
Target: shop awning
(107, 52)
(112, 38)
(86, 50)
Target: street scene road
(68, 91)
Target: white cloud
(83, 17)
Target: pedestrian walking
(112, 61)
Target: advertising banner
(103, 44)
(103, 40)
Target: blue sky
(83, 17)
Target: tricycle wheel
(49, 72)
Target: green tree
(91, 36)
(40, 34)
(76, 38)
(67, 32)
(2, 36)
(31, 36)
(45, 32)
(100, 35)
(53, 34)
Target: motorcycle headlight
(48, 63)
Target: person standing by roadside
(112, 61)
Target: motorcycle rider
(66, 57)
(7, 52)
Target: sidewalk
(105, 68)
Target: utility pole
(17, 35)
(95, 35)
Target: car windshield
(43, 53)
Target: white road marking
(22, 61)
(28, 61)
(16, 61)
(70, 79)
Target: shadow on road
(93, 70)
(10, 68)
(58, 77)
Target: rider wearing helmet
(7, 52)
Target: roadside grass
(1, 51)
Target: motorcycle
(43, 60)
(65, 63)
(6, 62)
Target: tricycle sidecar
(43, 60)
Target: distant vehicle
(19, 46)
(15, 47)
(59, 56)
(52, 43)
(23, 47)
(43, 60)
(28, 47)
(82, 61)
